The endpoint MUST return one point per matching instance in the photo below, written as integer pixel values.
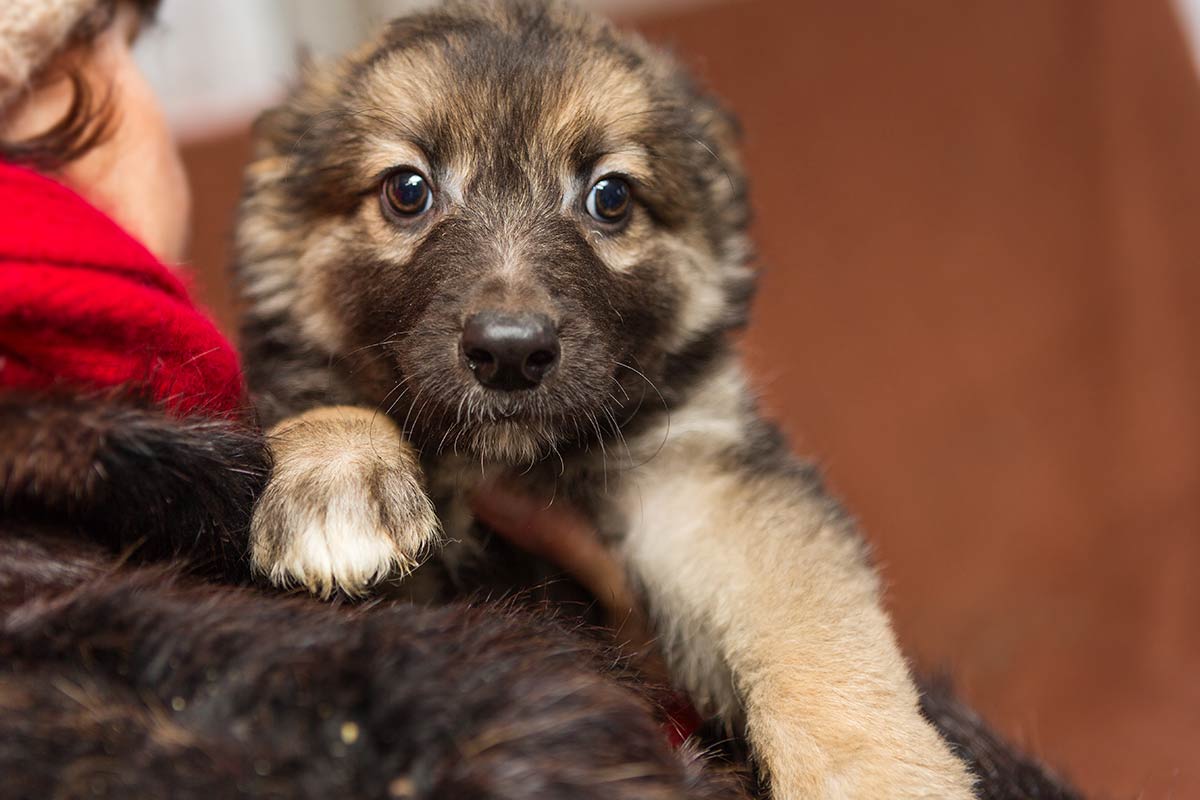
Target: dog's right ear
(278, 129)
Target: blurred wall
(980, 253)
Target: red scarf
(85, 306)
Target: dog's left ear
(723, 135)
(722, 125)
(719, 135)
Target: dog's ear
(306, 145)
(721, 133)
(320, 80)
(718, 135)
(723, 128)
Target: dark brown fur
(132, 478)
(125, 681)
(133, 683)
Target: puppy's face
(514, 224)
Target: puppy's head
(516, 224)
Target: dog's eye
(609, 200)
(407, 193)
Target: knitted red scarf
(85, 306)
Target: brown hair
(88, 119)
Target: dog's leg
(768, 608)
(345, 505)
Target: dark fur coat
(137, 661)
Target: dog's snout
(510, 351)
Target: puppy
(506, 239)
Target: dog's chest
(475, 561)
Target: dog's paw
(896, 755)
(899, 776)
(915, 770)
(345, 506)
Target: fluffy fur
(125, 681)
(338, 462)
(131, 477)
(138, 681)
(192, 691)
(767, 607)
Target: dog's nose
(510, 351)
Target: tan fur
(750, 569)
(349, 491)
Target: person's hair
(88, 119)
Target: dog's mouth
(448, 411)
(508, 431)
(512, 426)
(511, 412)
(508, 410)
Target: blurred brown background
(979, 227)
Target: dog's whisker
(392, 339)
(665, 405)
(405, 427)
(613, 378)
(620, 435)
